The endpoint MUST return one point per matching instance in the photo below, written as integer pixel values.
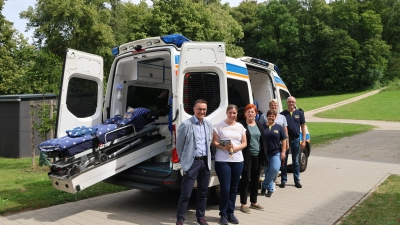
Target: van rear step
(135, 185)
(92, 176)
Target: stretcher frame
(96, 164)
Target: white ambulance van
(166, 75)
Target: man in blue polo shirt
(295, 119)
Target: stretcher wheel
(103, 158)
(53, 169)
(74, 170)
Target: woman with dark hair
(275, 137)
(229, 138)
(254, 159)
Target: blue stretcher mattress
(70, 146)
(73, 145)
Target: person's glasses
(292, 101)
(201, 109)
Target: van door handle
(176, 115)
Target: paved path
(380, 125)
(338, 176)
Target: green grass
(322, 133)
(382, 106)
(381, 207)
(311, 103)
(23, 188)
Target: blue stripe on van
(229, 67)
(236, 69)
(278, 80)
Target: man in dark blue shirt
(295, 119)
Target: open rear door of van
(201, 57)
(81, 94)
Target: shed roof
(25, 97)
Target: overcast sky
(12, 8)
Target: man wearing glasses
(295, 120)
(193, 147)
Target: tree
(278, 29)
(43, 75)
(391, 30)
(196, 21)
(246, 15)
(136, 22)
(80, 24)
(225, 28)
(10, 72)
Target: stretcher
(101, 154)
(100, 150)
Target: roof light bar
(259, 61)
(115, 50)
(140, 45)
(267, 64)
(176, 39)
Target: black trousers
(198, 171)
(250, 178)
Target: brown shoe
(245, 209)
(257, 207)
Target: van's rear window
(82, 97)
(201, 85)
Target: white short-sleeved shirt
(233, 133)
(281, 120)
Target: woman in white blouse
(229, 138)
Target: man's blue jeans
(271, 171)
(295, 148)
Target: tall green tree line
(321, 48)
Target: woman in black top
(275, 136)
(254, 159)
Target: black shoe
(202, 221)
(297, 184)
(269, 194)
(282, 185)
(232, 219)
(263, 191)
(179, 222)
(223, 220)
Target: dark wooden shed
(15, 124)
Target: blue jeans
(295, 148)
(229, 176)
(271, 171)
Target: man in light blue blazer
(193, 147)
